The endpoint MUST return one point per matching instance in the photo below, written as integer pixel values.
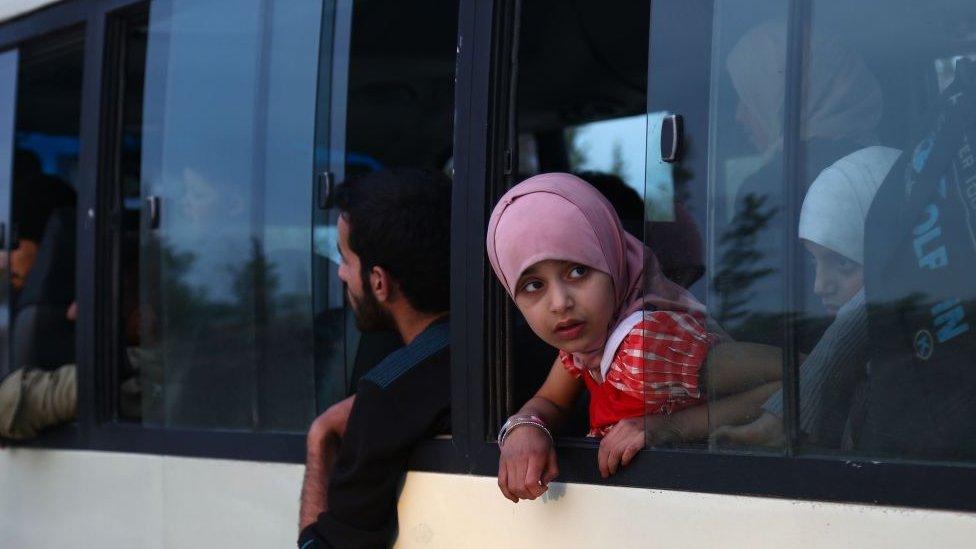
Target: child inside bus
(831, 228)
(636, 340)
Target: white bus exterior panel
(54, 499)
(448, 511)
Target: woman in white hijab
(841, 107)
(831, 228)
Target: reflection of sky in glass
(229, 130)
(619, 146)
(597, 141)
(326, 238)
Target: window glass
(735, 174)
(218, 149)
(237, 122)
(8, 96)
(833, 193)
(43, 200)
(888, 226)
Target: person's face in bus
(566, 304)
(838, 278)
(22, 258)
(370, 313)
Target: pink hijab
(559, 216)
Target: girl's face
(567, 304)
(838, 278)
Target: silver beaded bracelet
(517, 421)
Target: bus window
(390, 99)
(8, 95)
(43, 202)
(591, 102)
(235, 123)
(889, 229)
(580, 108)
(43, 199)
(831, 234)
(212, 174)
(40, 164)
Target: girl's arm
(693, 423)
(628, 436)
(553, 401)
(528, 460)
(735, 366)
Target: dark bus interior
(44, 197)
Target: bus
(167, 169)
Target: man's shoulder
(432, 347)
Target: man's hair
(400, 220)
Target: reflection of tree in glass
(280, 344)
(255, 284)
(168, 306)
(184, 302)
(617, 165)
(738, 271)
(238, 364)
(575, 151)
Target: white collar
(616, 338)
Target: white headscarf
(837, 203)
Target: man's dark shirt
(404, 399)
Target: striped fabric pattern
(829, 374)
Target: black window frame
(486, 33)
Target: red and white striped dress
(654, 368)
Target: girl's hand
(620, 445)
(527, 464)
(767, 430)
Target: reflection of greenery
(184, 302)
(242, 364)
(575, 151)
(738, 264)
(255, 283)
(617, 164)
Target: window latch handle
(671, 137)
(152, 212)
(325, 190)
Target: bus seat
(42, 335)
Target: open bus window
(39, 249)
(582, 83)
(763, 219)
(391, 106)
